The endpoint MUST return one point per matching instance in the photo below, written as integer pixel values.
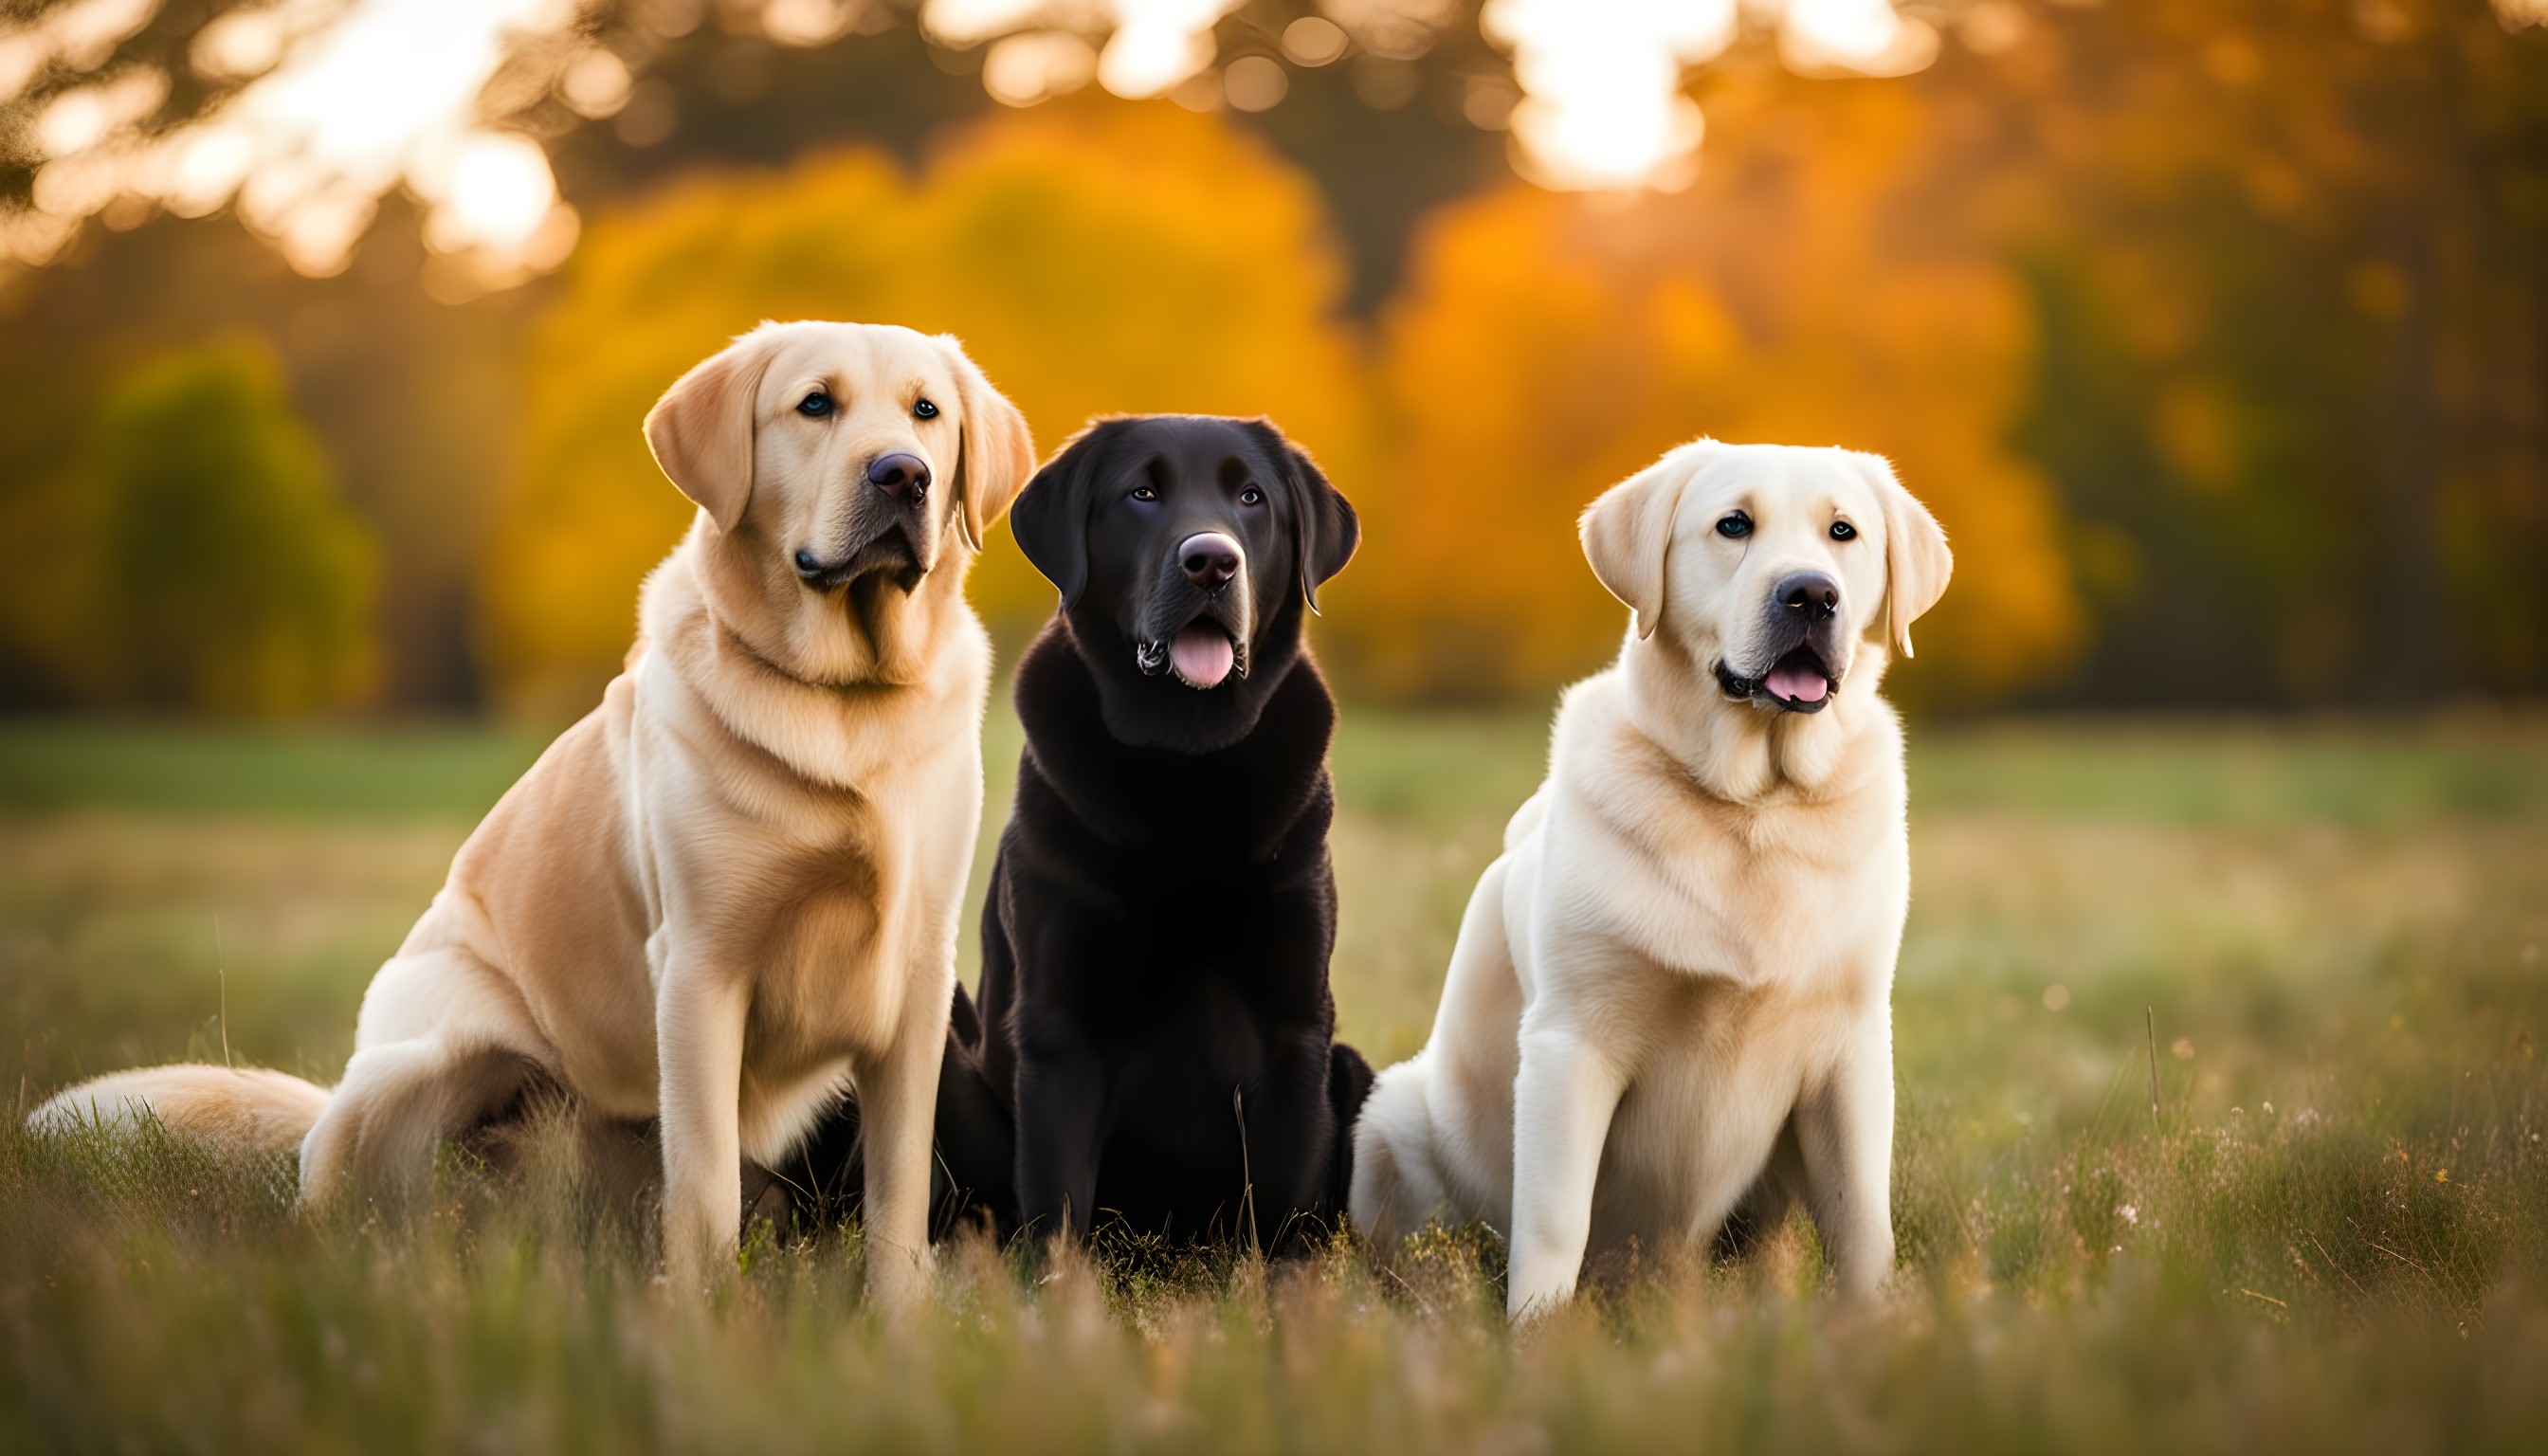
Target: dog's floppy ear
(1627, 532)
(702, 430)
(1051, 516)
(1917, 561)
(1324, 519)
(998, 451)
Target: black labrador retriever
(1156, 1037)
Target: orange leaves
(1094, 260)
(1101, 258)
(1551, 345)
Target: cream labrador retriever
(730, 895)
(1671, 993)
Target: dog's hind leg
(396, 1104)
(441, 1043)
(1763, 1208)
(976, 1140)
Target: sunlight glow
(1601, 81)
(1394, 30)
(1603, 106)
(1037, 65)
(1854, 37)
(338, 102)
(1157, 44)
(80, 36)
(348, 102)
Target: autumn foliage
(1552, 344)
(1093, 260)
(1114, 258)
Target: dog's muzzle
(888, 551)
(1211, 645)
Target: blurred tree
(225, 574)
(1552, 344)
(1093, 257)
(2280, 332)
(2291, 258)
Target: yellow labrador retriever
(1673, 992)
(730, 894)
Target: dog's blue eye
(1843, 531)
(815, 405)
(1735, 526)
(925, 410)
(1251, 497)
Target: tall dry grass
(2330, 1235)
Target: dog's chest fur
(1171, 917)
(1790, 898)
(808, 819)
(1734, 952)
(1189, 871)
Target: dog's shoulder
(1601, 762)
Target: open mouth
(1798, 682)
(1202, 654)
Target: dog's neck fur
(1141, 796)
(866, 634)
(1748, 755)
(1159, 712)
(802, 676)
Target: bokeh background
(2215, 331)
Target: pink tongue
(1202, 654)
(1797, 684)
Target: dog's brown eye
(815, 405)
(925, 410)
(1144, 493)
(1735, 527)
(1842, 530)
(1251, 497)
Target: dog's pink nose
(1210, 559)
(903, 477)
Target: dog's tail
(243, 1112)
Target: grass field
(2330, 1235)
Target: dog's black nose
(1210, 559)
(903, 477)
(1810, 596)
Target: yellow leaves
(1094, 260)
(1100, 259)
(1108, 259)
